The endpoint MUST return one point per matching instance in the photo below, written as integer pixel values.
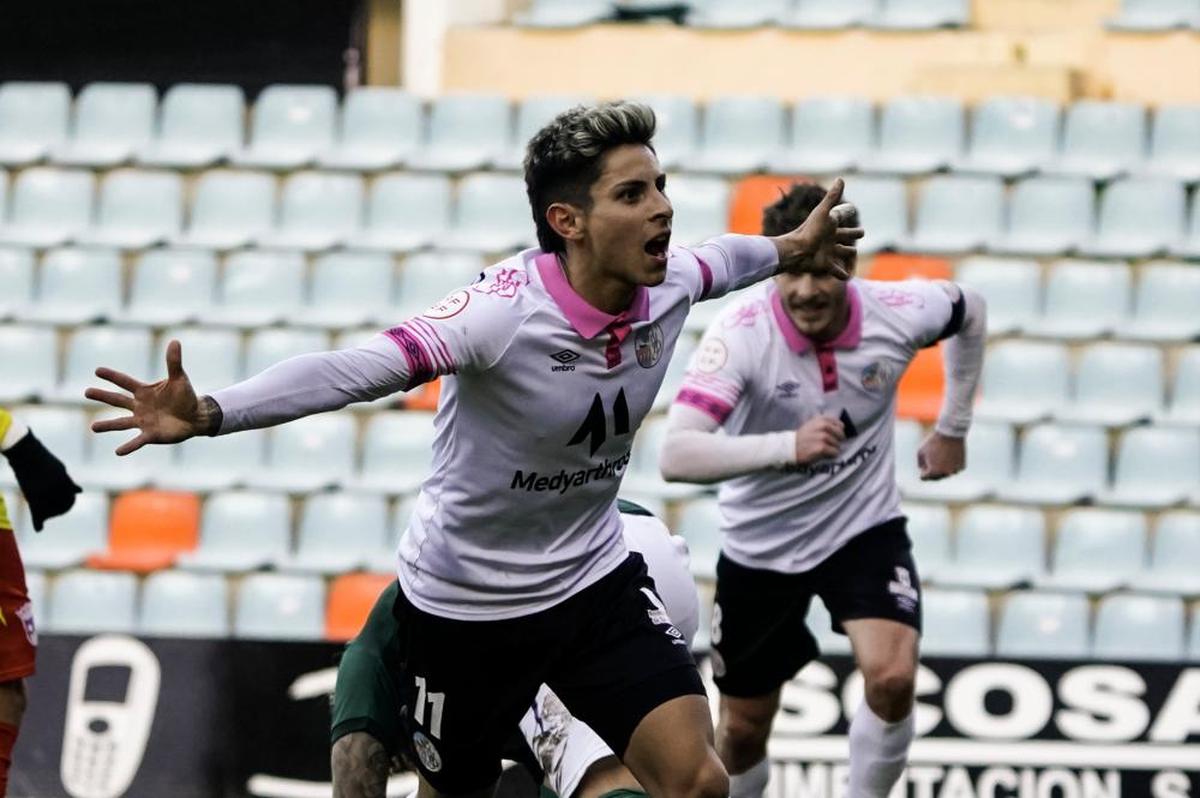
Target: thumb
(832, 197)
(174, 360)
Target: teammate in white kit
(553, 358)
(789, 403)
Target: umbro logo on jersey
(787, 390)
(566, 358)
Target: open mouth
(657, 246)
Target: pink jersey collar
(587, 320)
(799, 343)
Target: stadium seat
(172, 286)
(148, 530)
(348, 289)
(76, 286)
(85, 602)
(33, 120)
(466, 131)
(738, 134)
(532, 114)
(1100, 140)
(908, 438)
(64, 431)
(405, 212)
(1115, 385)
(105, 470)
(990, 463)
(564, 13)
(241, 531)
(351, 598)
(318, 210)
(917, 134)
(124, 349)
(1164, 305)
(1156, 467)
(1040, 625)
(919, 392)
(1012, 288)
(290, 126)
(700, 525)
(338, 532)
(1175, 141)
(922, 14)
(212, 464)
(998, 547)
(199, 124)
(30, 358)
(426, 277)
(380, 128)
(1097, 550)
(820, 624)
(677, 134)
(1139, 628)
(1189, 247)
(957, 213)
(1173, 556)
(929, 529)
(751, 195)
(397, 452)
(1184, 407)
(280, 607)
(259, 288)
(268, 347)
(829, 135)
(229, 209)
(1048, 216)
(112, 123)
(1024, 381)
(1156, 15)
(138, 208)
(1139, 217)
(310, 454)
(49, 207)
(67, 540)
(16, 275)
(830, 14)
(701, 208)
(737, 14)
(212, 356)
(1084, 299)
(179, 604)
(1058, 465)
(955, 623)
(882, 209)
(1010, 136)
(491, 215)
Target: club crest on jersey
(428, 755)
(648, 345)
(25, 614)
(711, 356)
(876, 376)
(454, 303)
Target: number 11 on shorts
(436, 702)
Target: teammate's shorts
(760, 638)
(18, 634)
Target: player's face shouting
(815, 302)
(629, 224)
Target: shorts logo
(876, 376)
(648, 345)
(711, 356)
(454, 303)
(659, 617)
(902, 588)
(431, 760)
(565, 359)
(25, 613)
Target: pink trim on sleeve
(706, 277)
(705, 403)
(420, 364)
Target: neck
(599, 289)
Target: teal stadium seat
(737, 135)
(1156, 15)
(532, 114)
(1097, 550)
(405, 212)
(229, 209)
(991, 463)
(311, 454)
(318, 210)
(137, 209)
(565, 13)
(998, 547)
(1132, 627)
(88, 602)
(34, 119)
(426, 277)
(49, 207)
(957, 213)
(241, 531)
(917, 134)
(700, 525)
(1139, 218)
(828, 135)
(1048, 216)
(16, 275)
(105, 470)
(290, 126)
(701, 208)
(30, 358)
(737, 14)
(677, 135)
(1190, 246)
(280, 607)
(1084, 299)
(831, 14)
(198, 125)
(1157, 467)
(1115, 385)
(76, 285)
(397, 452)
(112, 123)
(172, 286)
(922, 14)
(955, 623)
(1043, 625)
(1012, 288)
(267, 347)
(348, 289)
(882, 204)
(1010, 136)
(1024, 381)
(1174, 553)
(336, 533)
(1175, 140)
(258, 288)
(180, 604)
(466, 131)
(380, 128)
(491, 215)
(929, 529)
(1101, 140)
(1164, 304)
(1058, 465)
(211, 464)
(1184, 407)
(124, 349)
(68, 539)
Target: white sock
(752, 783)
(878, 753)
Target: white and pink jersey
(754, 372)
(543, 397)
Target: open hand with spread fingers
(825, 241)
(167, 411)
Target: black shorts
(608, 652)
(760, 638)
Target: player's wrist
(795, 252)
(209, 416)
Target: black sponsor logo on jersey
(595, 425)
(565, 359)
(832, 467)
(564, 481)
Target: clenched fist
(819, 438)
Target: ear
(566, 220)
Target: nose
(663, 210)
(802, 287)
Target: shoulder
(919, 308)
(500, 295)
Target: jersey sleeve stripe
(420, 365)
(705, 403)
(706, 278)
(437, 346)
(712, 385)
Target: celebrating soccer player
(801, 374)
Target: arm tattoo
(360, 767)
(212, 414)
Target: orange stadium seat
(351, 597)
(891, 266)
(920, 390)
(750, 196)
(425, 397)
(148, 530)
